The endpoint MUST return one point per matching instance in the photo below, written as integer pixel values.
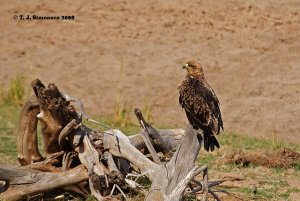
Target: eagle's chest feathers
(193, 97)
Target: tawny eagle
(201, 104)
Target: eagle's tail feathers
(210, 142)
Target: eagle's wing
(214, 106)
(201, 104)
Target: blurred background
(117, 55)
(130, 53)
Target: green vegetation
(10, 109)
(262, 183)
(233, 142)
(239, 142)
(16, 92)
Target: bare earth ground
(250, 51)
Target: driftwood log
(103, 163)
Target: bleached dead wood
(168, 180)
(145, 136)
(150, 131)
(171, 137)
(24, 181)
(107, 156)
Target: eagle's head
(193, 69)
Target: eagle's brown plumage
(201, 104)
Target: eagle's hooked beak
(185, 66)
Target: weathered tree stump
(75, 154)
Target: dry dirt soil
(250, 51)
